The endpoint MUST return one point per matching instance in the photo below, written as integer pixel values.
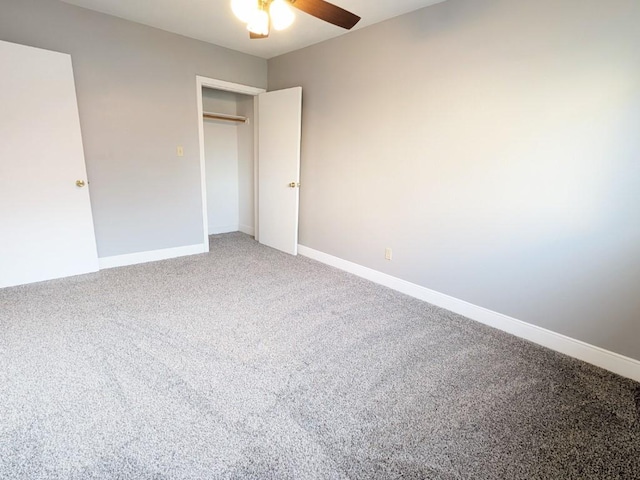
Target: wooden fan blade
(328, 12)
(253, 36)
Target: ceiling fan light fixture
(261, 15)
(244, 9)
(259, 22)
(281, 14)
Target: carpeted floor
(246, 363)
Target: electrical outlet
(180, 151)
(388, 253)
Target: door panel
(46, 225)
(279, 130)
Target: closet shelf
(225, 117)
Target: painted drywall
(136, 89)
(494, 147)
(221, 154)
(219, 101)
(246, 177)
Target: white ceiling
(212, 21)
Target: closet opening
(237, 126)
(228, 134)
(229, 161)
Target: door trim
(229, 87)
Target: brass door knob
(294, 185)
(80, 183)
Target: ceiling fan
(261, 15)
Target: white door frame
(236, 88)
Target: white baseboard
(624, 366)
(151, 256)
(214, 230)
(248, 230)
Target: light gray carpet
(246, 363)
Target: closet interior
(228, 120)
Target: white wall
(246, 165)
(221, 153)
(494, 146)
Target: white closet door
(279, 130)
(46, 226)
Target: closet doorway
(250, 161)
(228, 150)
(228, 122)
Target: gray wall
(136, 91)
(495, 146)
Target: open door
(279, 130)
(46, 225)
